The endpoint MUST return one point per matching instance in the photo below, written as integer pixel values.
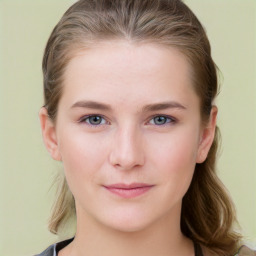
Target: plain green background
(26, 169)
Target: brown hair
(207, 211)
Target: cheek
(176, 160)
(82, 157)
(177, 148)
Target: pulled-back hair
(208, 214)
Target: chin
(129, 227)
(128, 222)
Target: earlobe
(49, 134)
(207, 136)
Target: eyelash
(172, 120)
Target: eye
(162, 120)
(97, 120)
(93, 120)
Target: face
(129, 133)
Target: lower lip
(129, 193)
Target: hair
(208, 214)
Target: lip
(128, 190)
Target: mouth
(128, 190)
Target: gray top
(55, 248)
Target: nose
(127, 150)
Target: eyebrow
(146, 108)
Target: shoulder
(50, 251)
(245, 251)
(55, 248)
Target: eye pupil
(95, 119)
(160, 119)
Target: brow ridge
(147, 108)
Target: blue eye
(93, 120)
(162, 120)
(97, 120)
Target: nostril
(126, 161)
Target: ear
(49, 134)
(207, 136)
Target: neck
(163, 238)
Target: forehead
(124, 70)
(130, 55)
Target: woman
(129, 109)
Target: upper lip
(128, 186)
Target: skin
(128, 145)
